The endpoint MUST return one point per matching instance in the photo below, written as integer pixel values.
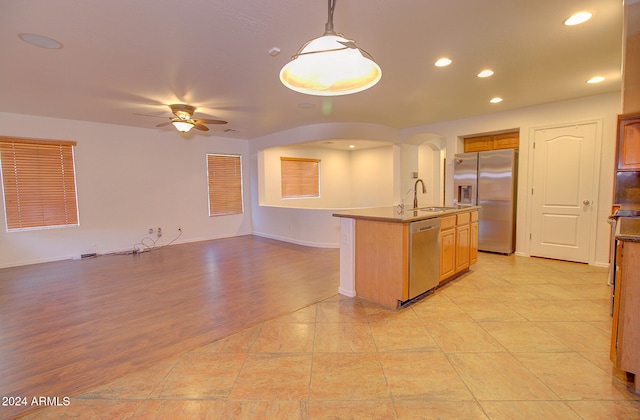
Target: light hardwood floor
(69, 326)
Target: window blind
(39, 183)
(300, 177)
(225, 184)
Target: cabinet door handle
(586, 202)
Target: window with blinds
(300, 177)
(39, 183)
(224, 173)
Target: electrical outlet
(150, 231)
(159, 232)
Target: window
(39, 183)
(224, 173)
(300, 177)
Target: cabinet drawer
(463, 218)
(474, 216)
(447, 222)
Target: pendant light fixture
(330, 65)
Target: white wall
(128, 180)
(372, 177)
(348, 179)
(603, 108)
(335, 182)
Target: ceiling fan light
(183, 126)
(326, 67)
(577, 18)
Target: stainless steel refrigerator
(489, 180)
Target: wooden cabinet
(381, 255)
(625, 331)
(506, 141)
(628, 150)
(447, 247)
(458, 243)
(473, 250)
(509, 140)
(477, 144)
(463, 241)
(382, 261)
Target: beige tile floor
(516, 338)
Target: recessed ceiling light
(577, 18)
(443, 62)
(40, 41)
(485, 73)
(274, 52)
(496, 100)
(351, 146)
(596, 79)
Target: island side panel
(347, 257)
(629, 318)
(382, 261)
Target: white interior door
(563, 192)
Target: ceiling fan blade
(201, 127)
(149, 115)
(164, 124)
(208, 121)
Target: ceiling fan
(183, 120)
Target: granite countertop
(393, 214)
(628, 229)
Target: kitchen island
(379, 260)
(625, 331)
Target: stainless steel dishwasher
(424, 256)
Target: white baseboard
(295, 241)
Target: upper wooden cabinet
(492, 142)
(629, 142)
(477, 144)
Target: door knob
(586, 202)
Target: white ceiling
(124, 61)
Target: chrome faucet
(415, 192)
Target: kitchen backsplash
(627, 191)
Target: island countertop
(628, 229)
(393, 214)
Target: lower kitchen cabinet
(447, 247)
(458, 243)
(625, 331)
(382, 252)
(463, 241)
(473, 250)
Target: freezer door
(497, 174)
(465, 178)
